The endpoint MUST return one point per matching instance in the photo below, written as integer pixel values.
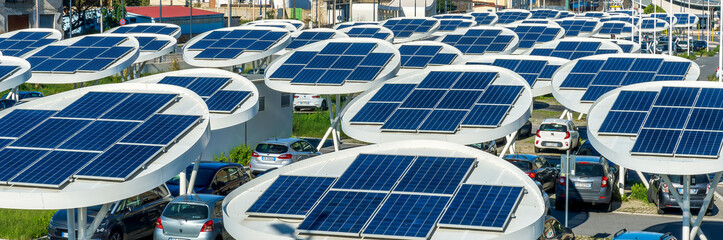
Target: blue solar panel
(147, 29)
(676, 96)
(23, 42)
(482, 206)
(226, 101)
(486, 115)
(634, 101)
(62, 129)
(91, 53)
(656, 141)
(574, 27)
(161, 129)
(406, 119)
(440, 175)
(479, 41)
(19, 121)
(5, 141)
(484, 18)
(406, 27)
(15, 160)
(151, 43)
(443, 121)
(532, 34)
(690, 143)
(351, 24)
(308, 37)
(404, 215)
(367, 32)
(419, 56)
(452, 24)
(506, 17)
(475, 80)
(623, 122)
(207, 86)
(459, 99)
(342, 212)
(225, 44)
(572, 50)
(139, 106)
(291, 195)
(373, 113)
(7, 70)
(99, 135)
(500, 94)
(92, 104)
(531, 70)
(615, 28)
(709, 97)
(374, 172)
(544, 14)
(56, 168)
(119, 162)
(705, 119)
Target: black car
(698, 45)
(131, 218)
(659, 192)
(219, 178)
(536, 167)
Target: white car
(307, 101)
(557, 134)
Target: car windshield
(693, 180)
(588, 170)
(587, 150)
(271, 148)
(522, 165)
(186, 211)
(203, 177)
(553, 127)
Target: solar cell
(532, 34)
(484, 18)
(19, 121)
(139, 106)
(531, 70)
(572, 50)
(690, 143)
(15, 160)
(56, 168)
(577, 27)
(656, 141)
(623, 122)
(62, 129)
(485, 116)
(21, 43)
(500, 94)
(405, 215)
(225, 44)
(440, 175)
(5, 141)
(367, 32)
(226, 101)
(119, 162)
(634, 101)
(677, 96)
(161, 129)
(374, 172)
(479, 41)
(7, 70)
(308, 37)
(166, 30)
(443, 121)
(405, 119)
(505, 17)
(482, 207)
(342, 212)
(92, 104)
(709, 97)
(373, 113)
(291, 195)
(99, 135)
(452, 24)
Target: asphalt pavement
(707, 65)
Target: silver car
(592, 182)
(198, 216)
(276, 153)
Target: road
(707, 65)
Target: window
(133, 20)
(307, 147)
(285, 99)
(297, 147)
(233, 174)
(262, 104)
(221, 176)
(218, 210)
(47, 21)
(186, 211)
(538, 163)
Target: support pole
(509, 143)
(564, 113)
(621, 181)
(182, 183)
(96, 221)
(706, 202)
(686, 207)
(194, 172)
(71, 224)
(643, 179)
(567, 186)
(82, 221)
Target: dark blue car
(30, 94)
(218, 178)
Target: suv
(276, 153)
(197, 216)
(536, 167)
(307, 101)
(659, 193)
(592, 182)
(625, 235)
(218, 178)
(557, 134)
(130, 218)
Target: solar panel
(291, 196)
(616, 28)
(367, 31)
(99, 135)
(308, 37)
(229, 44)
(15, 160)
(544, 14)
(453, 24)
(88, 54)
(505, 17)
(530, 70)
(351, 24)
(438, 175)
(139, 106)
(165, 30)
(453, 16)
(62, 129)
(56, 168)
(394, 218)
(151, 43)
(480, 41)
(652, 24)
(627, 19)
(374, 172)
(483, 207)
(23, 42)
(614, 72)
(119, 162)
(161, 129)
(532, 34)
(342, 212)
(335, 64)
(421, 56)
(572, 49)
(484, 18)
(92, 104)
(565, 14)
(578, 27)
(685, 18)
(406, 27)
(7, 70)
(19, 121)
(226, 101)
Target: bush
(240, 154)
(639, 192)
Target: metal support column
(706, 202)
(82, 222)
(182, 183)
(71, 224)
(686, 207)
(194, 172)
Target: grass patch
(312, 125)
(24, 224)
(639, 192)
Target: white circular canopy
(13, 72)
(20, 43)
(225, 40)
(151, 51)
(169, 29)
(526, 66)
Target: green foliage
(639, 192)
(112, 16)
(310, 124)
(652, 9)
(688, 56)
(24, 224)
(221, 158)
(240, 154)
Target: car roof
(282, 141)
(528, 157)
(555, 120)
(640, 236)
(215, 165)
(590, 159)
(197, 198)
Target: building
(21, 14)
(203, 20)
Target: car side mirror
(558, 166)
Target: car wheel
(116, 235)
(608, 207)
(537, 150)
(323, 106)
(660, 210)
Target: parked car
(625, 235)
(554, 230)
(586, 149)
(659, 192)
(536, 167)
(218, 178)
(592, 182)
(7, 103)
(662, 48)
(131, 218)
(683, 44)
(196, 216)
(525, 130)
(545, 197)
(560, 134)
(27, 94)
(308, 101)
(490, 147)
(276, 153)
(699, 45)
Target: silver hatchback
(276, 153)
(197, 216)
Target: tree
(113, 15)
(80, 10)
(651, 9)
